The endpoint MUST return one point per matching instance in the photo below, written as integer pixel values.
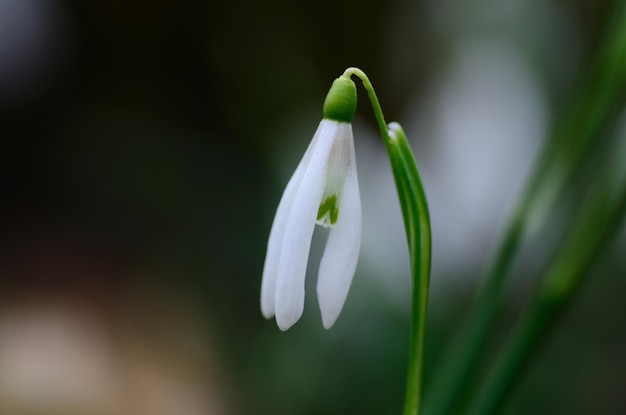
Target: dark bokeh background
(144, 148)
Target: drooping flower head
(323, 190)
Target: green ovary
(328, 211)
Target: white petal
(298, 229)
(275, 241)
(342, 248)
(277, 233)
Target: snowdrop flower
(323, 190)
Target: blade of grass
(417, 227)
(594, 106)
(598, 225)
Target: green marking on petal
(328, 211)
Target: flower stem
(369, 88)
(417, 226)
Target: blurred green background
(145, 146)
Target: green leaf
(417, 227)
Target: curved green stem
(369, 88)
(417, 227)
